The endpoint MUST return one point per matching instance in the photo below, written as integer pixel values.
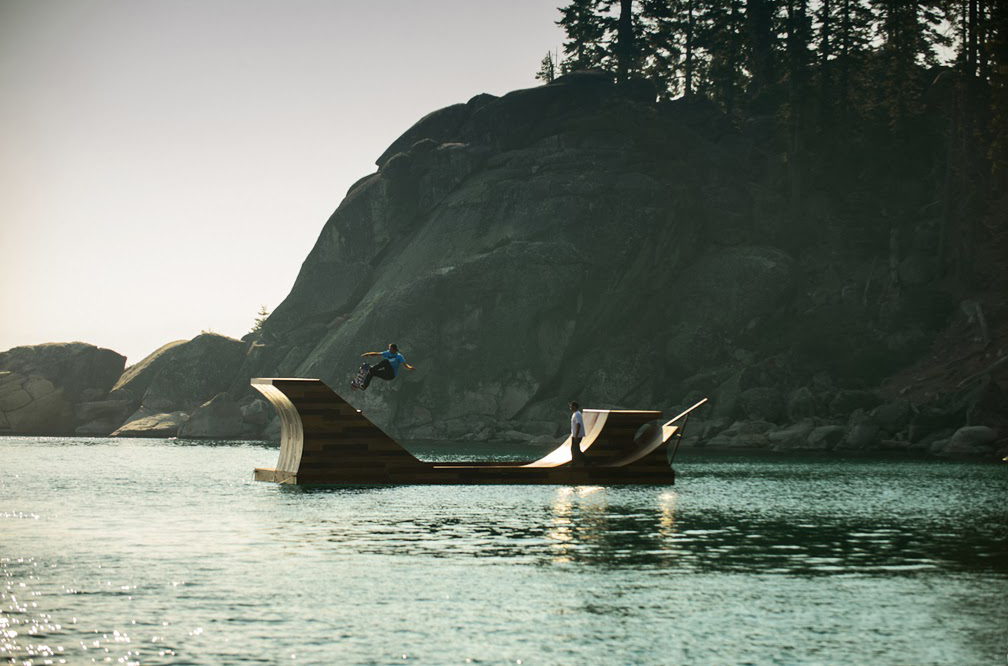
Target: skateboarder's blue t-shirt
(394, 360)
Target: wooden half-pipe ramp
(326, 440)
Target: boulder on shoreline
(182, 375)
(152, 425)
(39, 384)
(218, 418)
(100, 418)
(138, 377)
(969, 441)
(33, 406)
(791, 437)
(75, 367)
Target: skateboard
(362, 373)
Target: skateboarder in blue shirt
(387, 368)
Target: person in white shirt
(577, 434)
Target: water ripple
(156, 552)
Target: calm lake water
(159, 551)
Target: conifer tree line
(842, 75)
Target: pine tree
(972, 140)
(661, 47)
(852, 37)
(722, 27)
(760, 45)
(625, 47)
(825, 66)
(585, 26)
(909, 33)
(996, 47)
(799, 30)
(260, 320)
(547, 69)
(694, 47)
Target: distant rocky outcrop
(134, 382)
(183, 375)
(41, 385)
(182, 389)
(179, 390)
(82, 370)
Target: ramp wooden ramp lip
(326, 440)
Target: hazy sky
(166, 166)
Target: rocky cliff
(552, 244)
(577, 241)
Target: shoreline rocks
(218, 418)
(80, 389)
(146, 424)
(40, 384)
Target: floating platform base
(451, 474)
(326, 441)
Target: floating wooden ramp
(326, 440)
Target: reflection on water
(579, 519)
(150, 552)
(639, 528)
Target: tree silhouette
(857, 89)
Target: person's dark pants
(577, 455)
(381, 370)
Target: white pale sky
(166, 165)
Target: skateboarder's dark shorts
(381, 370)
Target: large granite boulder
(825, 437)
(100, 418)
(863, 432)
(137, 378)
(218, 418)
(12, 392)
(793, 436)
(801, 404)
(33, 405)
(893, 416)
(181, 376)
(74, 367)
(257, 413)
(43, 386)
(145, 423)
(969, 441)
